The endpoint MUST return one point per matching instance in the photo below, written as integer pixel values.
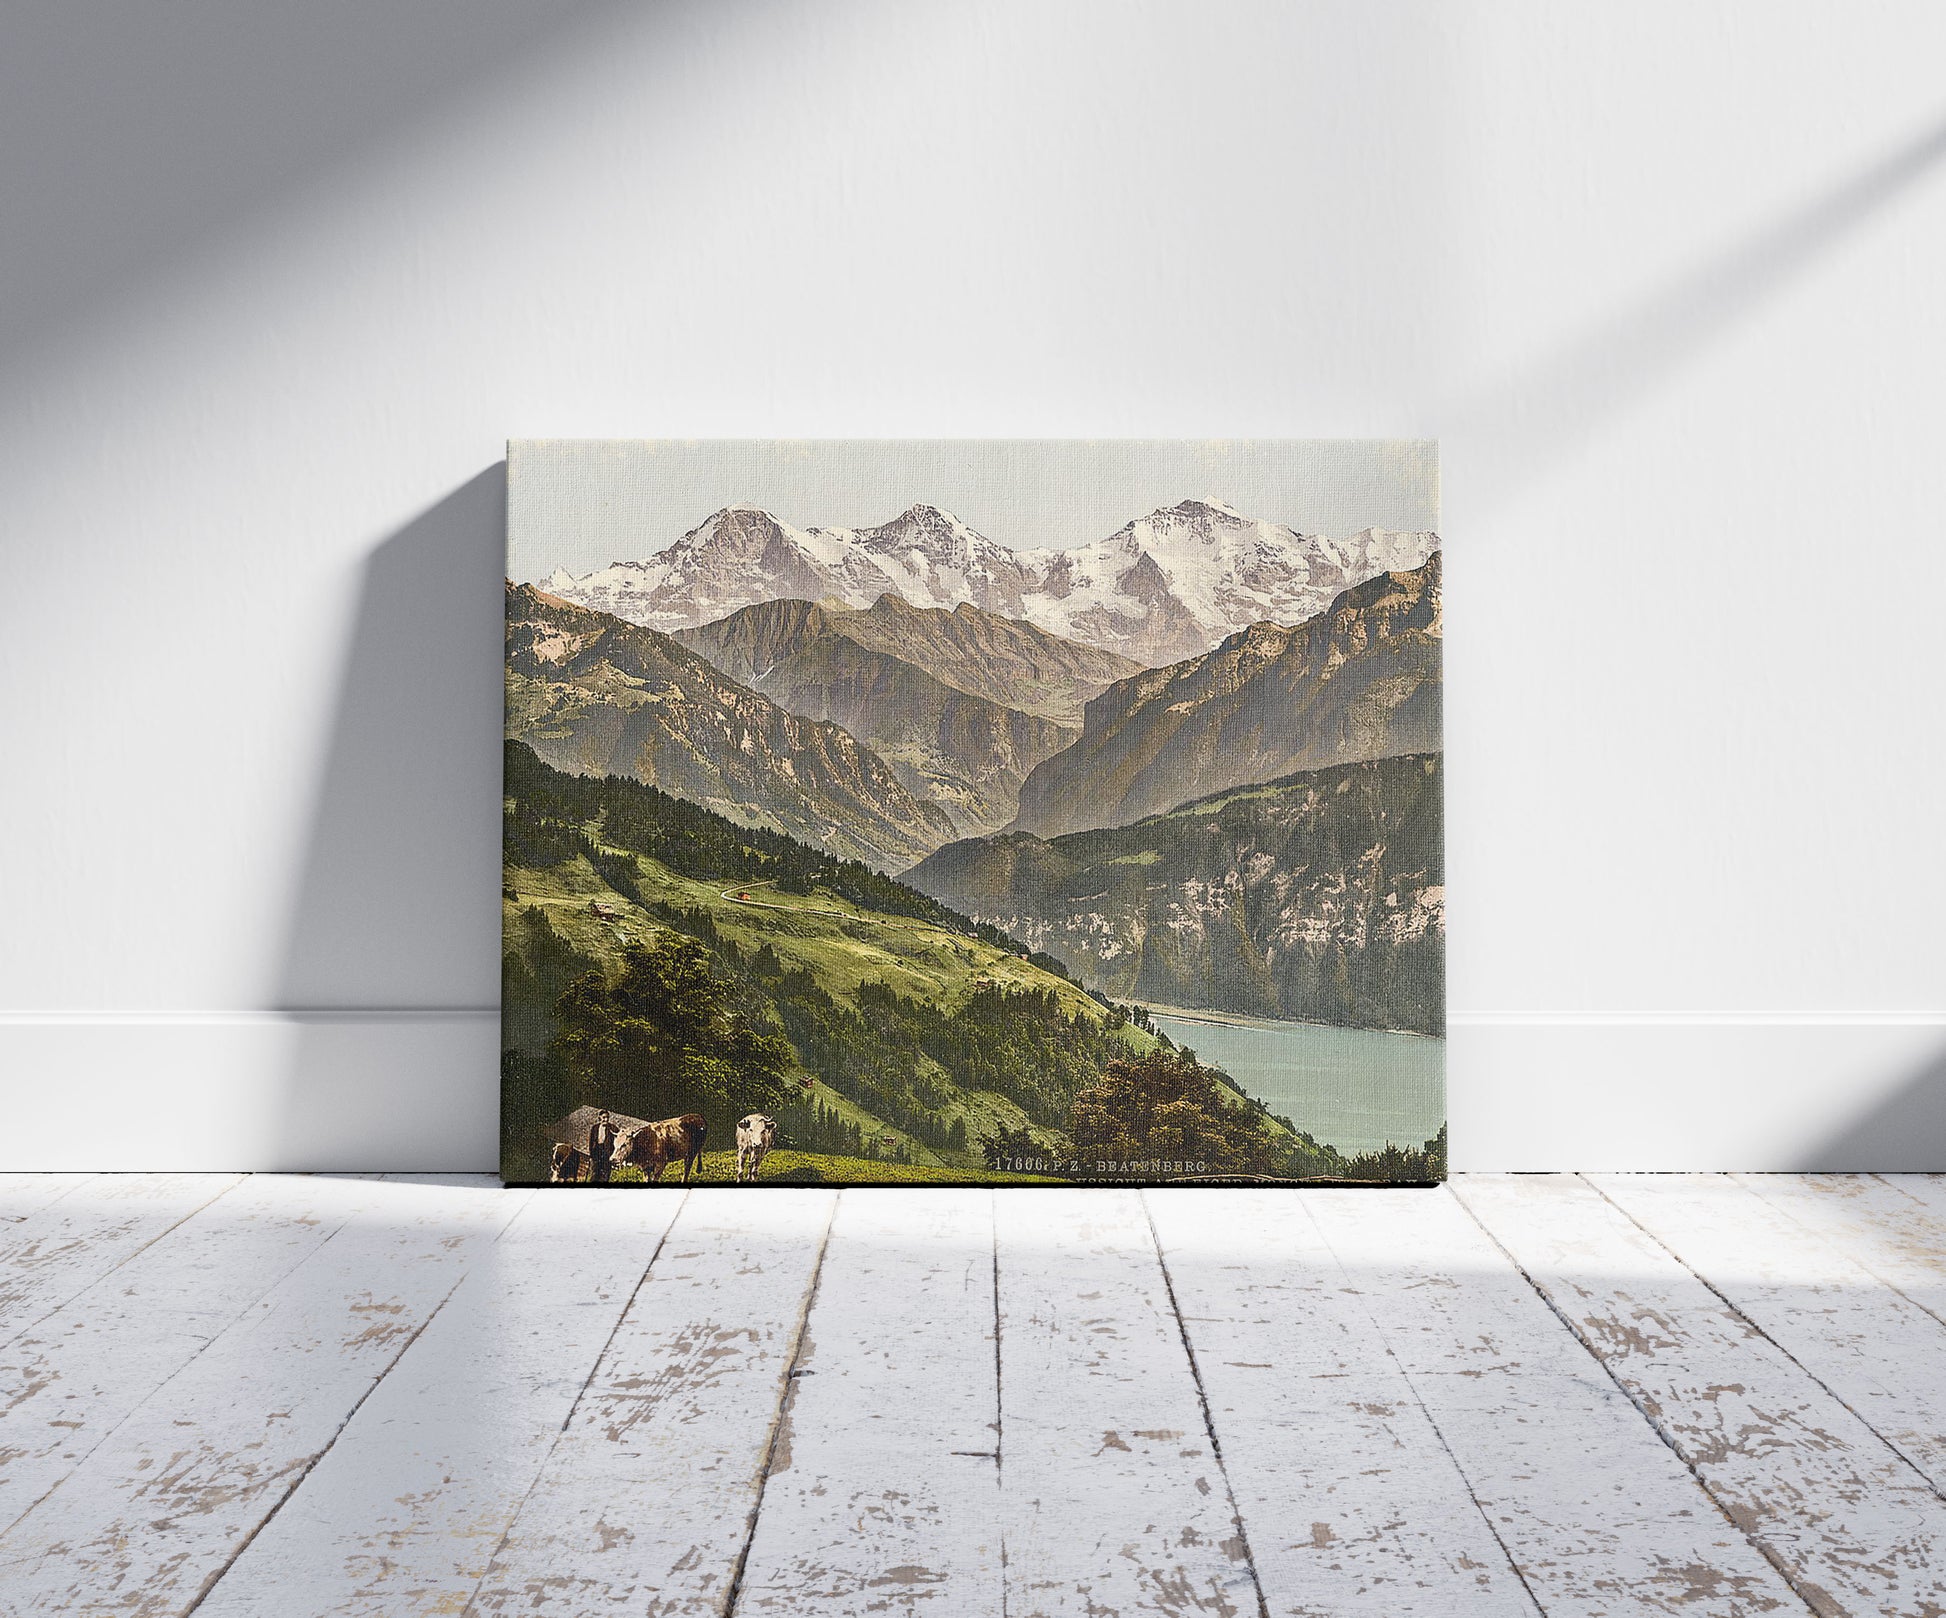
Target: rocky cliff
(1319, 897)
(593, 695)
(962, 704)
(1359, 681)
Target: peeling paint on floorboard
(1710, 1395)
(645, 1503)
(1853, 1525)
(153, 1516)
(1351, 1501)
(885, 1496)
(1112, 1497)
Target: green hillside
(785, 1167)
(920, 1032)
(660, 959)
(547, 921)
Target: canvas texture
(985, 812)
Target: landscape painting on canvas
(973, 812)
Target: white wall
(1663, 277)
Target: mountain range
(1319, 896)
(961, 704)
(887, 731)
(593, 695)
(1359, 681)
(1004, 660)
(1162, 588)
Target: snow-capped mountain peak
(1201, 525)
(741, 526)
(924, 515)
(940, 561)
(924, 528)
(1198, 506)
(1163, 587)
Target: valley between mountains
(1003, 801)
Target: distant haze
(582, 503)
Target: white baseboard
(1751, 1091)
(344, 1090)
(418, 1090)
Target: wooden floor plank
(1351, 1503)
(883, 1495)
(71, 1379)
(154, 1514)
(1852, 1524)
(1112, 1498)
(646, 1502)
(1599, 1516)
(1893, 1224)
(67, 1244)
(1873, 1348)
(21, 1194)
(1929, 1189)
(403, 1514)
(346, 1397)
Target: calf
(756, 1134)
(653, 1147)
(569, 1164)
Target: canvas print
(986, 812)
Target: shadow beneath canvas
(406, 1176)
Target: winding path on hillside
(738, 895)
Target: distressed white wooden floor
(236, 1395)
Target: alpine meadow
(857, 849)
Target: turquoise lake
(1349, 1087)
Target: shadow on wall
(133, 139)
(1548, 410)
(391, 965)
(1906, 1132)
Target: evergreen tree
(1005, 1147)
(1169, 1108)
(665, 1038)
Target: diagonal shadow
(391, 961)
(1905, 1134)
(1547, 411)
(132, 135)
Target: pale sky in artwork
(581, 503)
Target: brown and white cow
(568, 1165)
(653, 1147)
(756, 1134)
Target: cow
(756, 1134)
(653, 1147)
(569, 1164)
